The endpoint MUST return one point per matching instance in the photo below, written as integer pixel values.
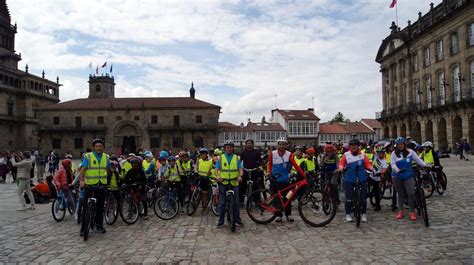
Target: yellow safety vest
(72, 168)
(204, 167)
(230, 170)
(147, 165)
(96, 171)
(370, 156)
(428, 157)
(388, 157)
(185, 165)
(173, 174)
(113, 182)
(311, 165)
(298, 161)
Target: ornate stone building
(428, 76)
(128, 124)
(21, 93)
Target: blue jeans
(349, 194)
(222, 199)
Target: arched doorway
(403, 130)
(394, 131)
(386, 132)
(127, 137)
(442, 135)
(416, 133)
(457, 130)
(429, 131)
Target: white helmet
(427, 144)
(281, 140)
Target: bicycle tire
(110, 207)
(386, 187)
(230, 203)
(258, 202)
(370, 194)
(441, 184)
(86, 222)
(128, 205)
(426, 183)
(215, 204)
(92, 212)
(357, 209)
(79, 210)
(193, 202)
(424, 212)
(315, 200)
(168, 205)
(55, 209)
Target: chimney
(311, 109)
(192, 91)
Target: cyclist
(94, 171)
(204, 167)
(403, 175)
(431, 159)
(136, 175)
(312, 165)
(63, 179)
(280, 162)
(149, 166)
(185, 167)
(114, 177)
(251, 159)
(171, 176)
(329, 164)
(380, 166)
(355, 162)
(229, 171)
(299, 159)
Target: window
(97, 88)
(198, 118)
(454, 43)
(10, 108)
(439, 50)
(56, 120)
(426, 56)
(415, 62)
(56, 143)
(472, 78)
(177, 142)
(428, 91)
(78, 122)
(78, 143)
(155, 142)
(405, 91)
(199, 142)
(470, 34)
(416, 85)
(154, 119)
(118, 118)
(442, 89)
(456, 84)
(137, 118)
(100, 120)
(176, 120)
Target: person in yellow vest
(185, 167)
(312, 166)
(149, 166)
(126, 166)
(93, 177)
(299, 159)
(369, 152)
(204, 167)
(431, 159)
(229, 173)
(114, 177)
(171, 177)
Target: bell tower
(101, 86)
(8, 58)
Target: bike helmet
(298, 147)
(164, 154)
(310, 151)
(98, 140)
(329, 148)
(400, 140)
(217, 152)
(66, 162)
(135, 160)
(69, 156)
(229, 143)
(249, 140)
(171, 158)
(282, 140)
(203, 150)
(379, 149)
(354, 142)
(113, 158)
(427, 144)
(148, 154)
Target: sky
(245, 56)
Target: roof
(132, 103)
(230, 127)
(327, 128)
(298, 114)
(356, 127)
(372, 123)
(343, 128)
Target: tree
(339, 117)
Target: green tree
(339, 117)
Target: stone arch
(403, 130)
(442, 135)
(429, 131)
(457, 130)
(416, 133)
(394, 131)
(127, 136)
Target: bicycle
(131, 206)
(249, 182)
(166, 206)
(264, 205)
(89, 211)
(111, 208)
(420, 199)
(439, 180)
(372, 180)
(427, 183)
(215, 199)
(230, 205)
(152, 194)
(195, 199)
(356, 201)
(60, 204)
(386, 184)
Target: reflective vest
(388, 157)
(113, 182)
(204, 167)
(311, 165)
(146, 166)
(72, 168)
(185, 166)
(126, 167)
(96, 171)
(370, 156)
(428, 157)
(173, 174)
(298, 161)
(230, 170)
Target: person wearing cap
(204, 168)
(136, 175)
(280, 162)
(95, 169)
(403, 175)
(251, 159)
(149, 166)
(172, 178)
(229, 171)
(312, 166)
(354, 162)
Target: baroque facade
(21, 93)
(428, 76)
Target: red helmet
(310, 151)
(329, 148)
(66, 162)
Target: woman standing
(24, 179)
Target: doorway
(129, 145)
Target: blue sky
(239, 54)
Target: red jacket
(60, 179)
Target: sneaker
(413, 216)
(290, 219)
(348, 218)
(101, 230)
(22, 209)
(363, 218)
(75, 216)
(239, 224)
(400, 215)
(32, 207)
(145, 217)
(278, 219)
(220, 225)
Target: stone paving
(34, 237)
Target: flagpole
(396, 12)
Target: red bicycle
(315, 207)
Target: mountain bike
(89, 211)
(166, 207)
(60, 204)
(215, 199)
(420, 199)
(356, 201)
(439, 179)
(111, 208)
(427, 183)
(386, 186)
(230, 205)
(249, 190)
(131, 207)
(195, 199)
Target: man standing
(24, 179)
(251, 159)
(466, 147)
(93, 177)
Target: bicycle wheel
(370, 194)
(357, 209)
(193, 202)
(56, 211)
(166, 207)
(129, 211)
(215, 203)
(230, 204)
(86, 219)
(260, 206)
(424, 211)
(441, 183)
(110, 209)
(317, 208)
(80, 204)
(427, 185)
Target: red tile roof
(343, 127)
(355, 127)
(327, 128)
(372, 123)
(132, 103)
(297, 114)
(227, 126)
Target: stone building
(128, 124)
(21, 93)
(428, 76)
(342, 132)
(264, 134)
(302, 125)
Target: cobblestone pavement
(34, 237)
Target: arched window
(456, 84)
(97, 88)
(416, 86)
(442, 88)
(429, 96)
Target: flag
(97, 70)
(111, 68)
(104, 65)
(393, 4)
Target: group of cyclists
(340, 167)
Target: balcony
(66, 128)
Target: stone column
(449, 131)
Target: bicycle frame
(295, 187)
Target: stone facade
(21, 93)
(428, 76)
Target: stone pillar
(465, 125)
(435, 140)
(449, 131)
(422, 130)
